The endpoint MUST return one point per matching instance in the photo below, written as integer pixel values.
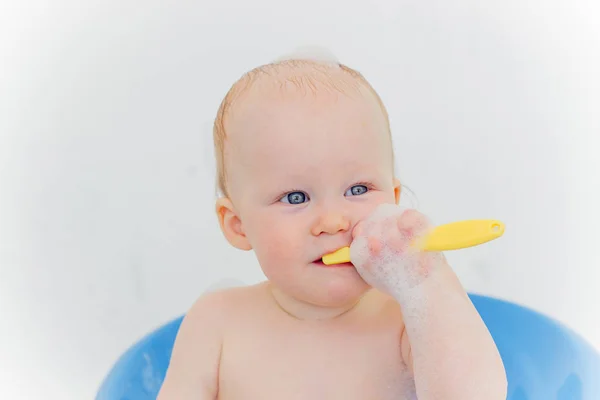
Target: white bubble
(393, 270)
(313, 53)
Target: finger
(374, 246)
(358, 229)
(412, 223)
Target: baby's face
(303, 170)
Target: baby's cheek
(275, 244)
(276, 249)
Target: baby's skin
(415, 335)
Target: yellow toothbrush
(452, 236)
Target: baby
(305, 167)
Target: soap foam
(397, 267)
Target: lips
(319, 262)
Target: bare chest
(315, 364)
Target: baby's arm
(447, 345)
(194, 365)
(445, 342)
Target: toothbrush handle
(452, 236)
(462, 234)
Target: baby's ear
(397, 190)
(231, 224)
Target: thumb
(357, 230)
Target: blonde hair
(321, 62)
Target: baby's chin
(337, 289)
(320, 285)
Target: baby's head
(304, 153)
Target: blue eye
(294, 198)
(357, 190)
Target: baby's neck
(305, 311)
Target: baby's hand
(383, 253)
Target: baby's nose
(331, 223)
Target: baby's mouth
(319, 262)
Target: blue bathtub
(544, 360)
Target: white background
(106, 168)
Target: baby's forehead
(279, 81)
(307, 132)
(297, 116)
(278, 109)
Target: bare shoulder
(194, 365)
(215, 302)
(222, 306)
